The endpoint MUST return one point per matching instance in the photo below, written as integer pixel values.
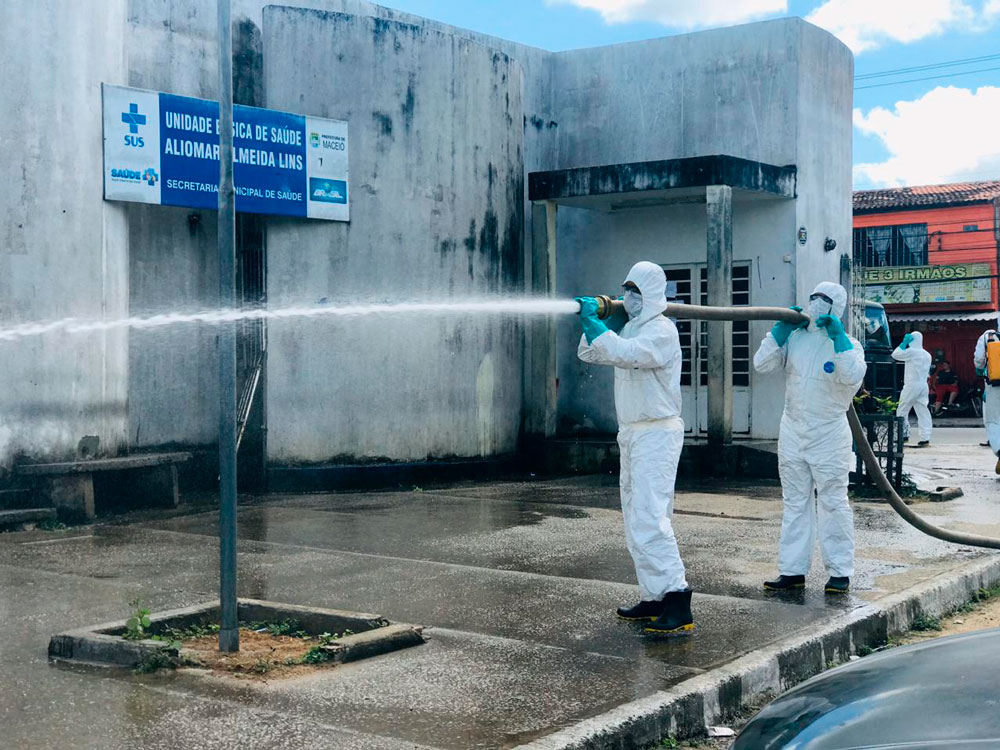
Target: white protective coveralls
(915, 391)
(646, 356)
(991, 393)
(814, 441)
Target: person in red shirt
(945, 385)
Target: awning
(932, 317)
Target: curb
(688, 708)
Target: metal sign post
(229, 638)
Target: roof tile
(925, 195)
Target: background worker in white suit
(991, 393)
(915, 390)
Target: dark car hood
(942, 693)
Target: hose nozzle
(606, 306)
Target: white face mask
(633, 303)
(818, 307)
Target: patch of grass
(291, 628)
(162, 658)
(50, 524)
(669, 742)
(983, 595)
(865, 650)
(924, 622)
(196, 630)
(316, 655)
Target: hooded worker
(915, 391)
(824, 367)
(983, 360)
(646, 356)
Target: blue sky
(942, 130)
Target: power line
(932, 66)
(926, 78)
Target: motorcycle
(968, 404)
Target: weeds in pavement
(924, 622)
(164, 657)
(138, 622)
(291, 628)
(196, 630)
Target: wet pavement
(516, 583)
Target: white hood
(652, 283)
(836, 293)
(917, 340)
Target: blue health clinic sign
(161, 148)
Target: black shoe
(923, 443)
(838, 585)
(676, 618)
(785, 583)
(644, 610)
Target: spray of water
(518, 306)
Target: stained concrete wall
(172, 47)
(437, 179)
(605, 247)
(778, 92)
(824, 157)
(63, 250)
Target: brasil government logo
(327, 191)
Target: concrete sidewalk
(516, 583)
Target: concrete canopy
(665, 182)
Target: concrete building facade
(447, 128)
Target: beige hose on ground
(609, 307)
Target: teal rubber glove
(835, 330)
(592, 326)
(782, 330)
(907, 339)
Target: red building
(930, 255)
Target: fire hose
(609, 308)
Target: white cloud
(991, 10)
(947, 135)
(867, 24)
(682, 14)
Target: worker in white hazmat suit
(991, 393)
(915, 391)
(824, 367)
(646, 356)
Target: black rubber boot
(676, 618)
(785, 583)
(644, 610)
(838, 585)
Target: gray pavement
(516, 583)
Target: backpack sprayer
(608, 307)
